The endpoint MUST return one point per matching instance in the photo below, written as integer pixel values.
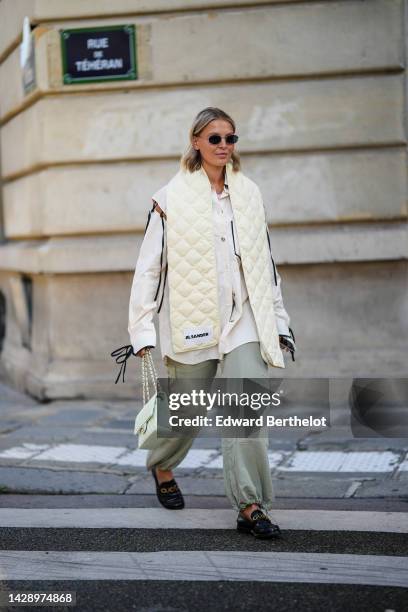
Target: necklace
(215, 189)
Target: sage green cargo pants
(247, 475)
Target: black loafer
(168, 493)
(259, 525)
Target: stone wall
(318, 90)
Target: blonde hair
(191, 160)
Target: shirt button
(222, 238)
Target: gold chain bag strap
(149, 369)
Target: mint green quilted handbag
(146, 422)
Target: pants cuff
(262, 505)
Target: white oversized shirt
(237, 323)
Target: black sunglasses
(215, 139)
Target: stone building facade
(319, 93)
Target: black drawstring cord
(233, 306)
(270, 252)
(161, 257)
(164, 285)
(148, 218)
(161, 261)
(233, 239)
(122, 354)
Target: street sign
(98, 54)
(27, 58)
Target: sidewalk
(87, 447)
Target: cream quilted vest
(192, 273)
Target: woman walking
(205, 265)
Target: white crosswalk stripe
(192, 518)
(285, 461)
(205, 565)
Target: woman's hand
(143, 351)
(287, 344)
